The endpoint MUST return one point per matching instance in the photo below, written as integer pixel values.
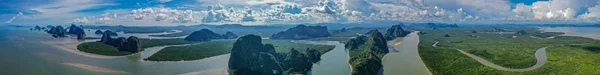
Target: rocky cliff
(396, 31)
(207, 35)
(301, 32)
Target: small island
(249, 56)
(366, 53)
(302, 32)
(207, 35)
(396, 31)
(111, 46)
(60, 31)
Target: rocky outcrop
(37, 27)
(229, 35)
(396, 31)
(207, 35)
(99, 32)
(111, 33)
(301, 32)
(130, 44)
(78, 31)
(441, 25)
(57, 31)
(368, 51)
(249, 56)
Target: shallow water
(589, 32)
(406, 60)
(334, 62)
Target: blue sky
(260, 12)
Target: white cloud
(318, 11)
(164, 1)
(13, 18)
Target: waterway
(404, 57)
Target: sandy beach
(93, 68)
(218, 71)
(72, 47)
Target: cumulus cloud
(318, 11)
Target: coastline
(569, 33)
(419, 55)
(407, 60)
(218, 71)
(189, 60)
(93, 68)
(72, 47)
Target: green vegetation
(147, 43)
(219, 47)
(396, 31)
(193, 52)
(250, 56)
(339, 39)
(566, 54)
(130, 44)
(207, 35)
(101, 49)
(184, 33)
(355, 31)
(302, 32)
(366, 52)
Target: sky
(265, 12)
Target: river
(25, 53)
(404, 57)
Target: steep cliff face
(57, 31)
(366, 53)
(207, 35)
(99, 32)
(130, 44)
(396, 31)
(78, 31)
(302, 32)
(249, 56)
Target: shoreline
(570, 33)
(188, 60)
(218, 71)
(72, 48)
(408, 41)
(419, 55)
(93, 68)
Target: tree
(313, 55)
